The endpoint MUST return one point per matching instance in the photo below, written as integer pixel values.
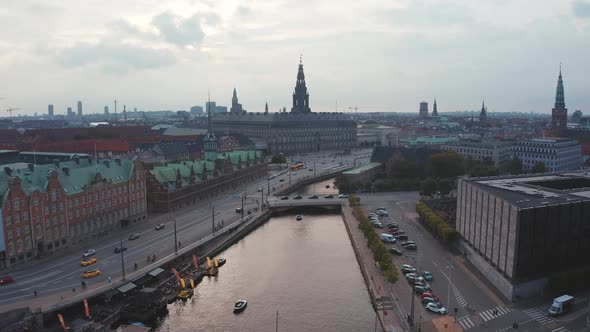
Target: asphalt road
(64, 272)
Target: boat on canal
(220, 261)
(240, 306)
(299, 217)
(211, 270)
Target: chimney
(66, 170)
(8, 170)
(31, 167)
(56, 162)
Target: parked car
(6, 280)
(159, 226)
(426, 300)
(284, 198)
(408, 269)
(118, 250)
(402, 237)
(91, 273)
(343, 196)
(405, 243)
(411, 246)
(436, 308)
(259, 189)
(88, 261)
(377, 224)
(392, 225)
(281, 180)
(239, 210)
(312, 197)
(430, 295)
(421, 289)
(399, 232)
(297, 197)
(89, 252)
(396, 251)
(134, 236)
(427, 275)
(329, 196)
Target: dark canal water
(304, 269)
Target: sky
(373, 55)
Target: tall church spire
(266, 108)
(559, 112)
(236, 107)
(434, 109)
(300, 95)
(483, 114)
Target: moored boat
(240, 305)
(185, 293)
(220, 261)
(299, 217)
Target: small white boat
(299, 217)
(240, 305)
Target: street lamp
(122, 260)
(212, 218)
(175, 238)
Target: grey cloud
(178, 31)
(211, 19)
(114, 58)
(581, 8)
(44, 8)
(243, 11)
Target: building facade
(479, 149)
(423, 112)
(295, 132)
(520, 230)
(558, 154)
(48, 207)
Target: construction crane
(10, 111)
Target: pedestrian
(109, 279)
(135, 266)
(74, 290)
(35, 293)
(179, 245)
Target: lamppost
(261, 198)
(175, 238)
(268, 186)
(212, 218)
(242, 207)
(122, 260)
(411, 318)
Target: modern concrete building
(363, 174)
(480, 149)
(79, 108)
(50, 110)
(519, 230)
(558, 154)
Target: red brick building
(47, 207)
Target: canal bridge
(279, 205)
(310, 179)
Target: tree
(445, 186)
(539, 167)
(514, 166)
(428, 187)
(447, 164)
(405, 169)
(278, 159)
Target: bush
(434, 222)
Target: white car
(408, 268)
(88, 253)
(436, 308)
(343, 196)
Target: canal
(306, 270)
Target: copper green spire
(559, 95)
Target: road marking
(466, 323)
(539, 316)
(460, 299)
(560, 329)
(489, 314)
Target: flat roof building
(558, 154)
(520, 230)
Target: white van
(387, 238)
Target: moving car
(281, 180)
(297, 197)
(396, 251)
(329, 196)
(6, 280)
(159, 226)
(134, 236)
(239, 210)
(91, 273)
(284, 198)
(118, 249)
(312, 197)
(427, 275)
(408, 269)
(259, 189)
(88, 261)
(89, 252)
(343, 196)
(436, 308)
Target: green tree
(278, 159)
(445, 186)
(539, 167)
(447, 164)
(405, 169)
(514, 166)
(428, 187)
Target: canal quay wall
(307, 180)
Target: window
(27, 230)
(17, 232)
(39, 231)
(26, 216)
(16, 218)
(9, 235)
(8, 220)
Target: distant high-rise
(434, 109)
(559, 112)
(236, 108)
(220, 109)
(79, 108)
(300, 95)
(106, 110)
(196, 109)
(70, 112)
(50, 110)
(483, 114)
(210, 106)
(423, 109)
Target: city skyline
(157, 57)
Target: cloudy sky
(376, 55)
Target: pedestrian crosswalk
(539, 316)
(466, 323)
(560, 329)
(493, 313)
(460, 299)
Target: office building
(210, 105)
(50, 110)
(482, 149)
(520, 230)
(558, 154)
(79, 108)
(70, 112)
(106, 110)
(220, 109)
